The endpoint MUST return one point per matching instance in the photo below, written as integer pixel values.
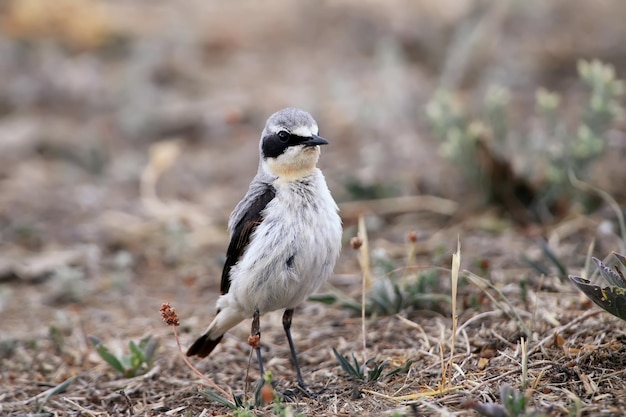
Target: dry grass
(573, 356)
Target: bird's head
(290, 145)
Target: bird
(285, 235)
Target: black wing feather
(242, 232)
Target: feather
(242, 232)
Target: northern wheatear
(285, 234)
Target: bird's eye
(283, 136)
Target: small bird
(285, 235)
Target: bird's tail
(223, 321)
(203, 346)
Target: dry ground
(92, 90)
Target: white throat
(295, 163)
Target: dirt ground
(129, 130)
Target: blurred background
(129, 130)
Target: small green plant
(528, 172)
(386, 288)
(514, 404)
(369, 371)
(611, 298)
(137, 362)
(236, 404)
(392, 294)
(514, 401)
(265, 394)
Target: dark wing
(242, 232)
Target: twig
(129, 403)
(169, 316)
(416, 326)
(483, 284)
(565, 327)
(125, 382)
(456, 266)
(524, 353)
(492, 380)
(195, 370)
(583, 186)
(395, 205)
(83, 409)
(417, 395)
(476, 318)
(507, 373)
(364, 261)
(46, 394)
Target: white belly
(291, 253)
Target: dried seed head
(356, 242)
(412, 236)
(168, 314)
(253, 341)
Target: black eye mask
(276, 144)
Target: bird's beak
(314, 141)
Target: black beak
(314, 141)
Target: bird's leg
(287, 316)
(255, 339)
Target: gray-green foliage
(514, 404)
(138, 361)
(545, 152)
(241, 407)
(43, 398)
(611, 298)
(391, 294)
(368, 371)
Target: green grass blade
(136, 351)
(377, 371)
(219, 399)
(357, 366)
(149, 346)
(400, 370)
(608, 274)
(327, 299)
(345, 364)
(107, 356)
